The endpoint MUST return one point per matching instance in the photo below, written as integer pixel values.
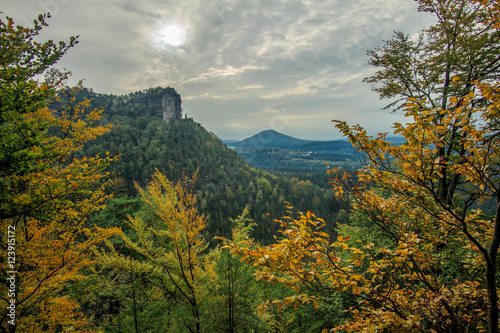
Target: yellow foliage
(406, 284)
(48, 217)
(171, 244)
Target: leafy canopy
(46, 194)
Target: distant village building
(171, 105)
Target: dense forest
(225, 184)
(116, 220)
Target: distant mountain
(273, 139)
(274, 151)
(270, 138)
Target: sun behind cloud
(172, 34)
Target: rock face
(171, 105)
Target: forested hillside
(270, 138)
(225, 184)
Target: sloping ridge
(270, 138)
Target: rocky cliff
(171, 105)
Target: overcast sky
(240, 66)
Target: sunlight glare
(172, 35)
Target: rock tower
(171, 105)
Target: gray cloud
(245, 66)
